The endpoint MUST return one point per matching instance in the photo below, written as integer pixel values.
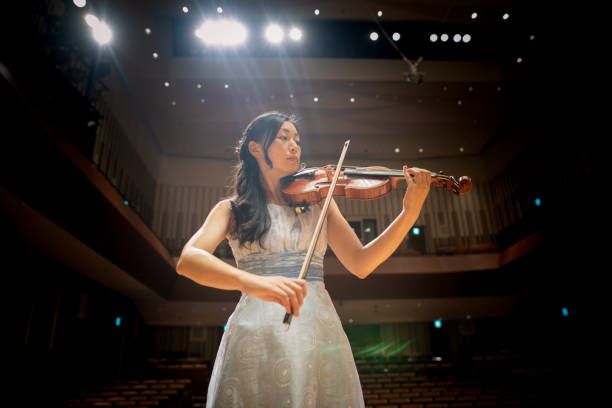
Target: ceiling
(455, 111)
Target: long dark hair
(248, 201)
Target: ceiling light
(202, 100)
(396, 36)
(352, 100)
(274, 33)
(102, 33)
(316, 99)
(199, 85)
(519, 60)
(173, 103)
(420, 150)
(295, 34)
(155, 55)
(433, 37)
(457, 38)
(474, 15)
(379, 13)
(373, 36)
(79, 3)
(166, 84)
(316, 12)
(531, 37)
(461, 149)
(444, 37)
(185, 9)
(397, 150)
(466, 38)
(147, 31)
(219, 10)
(222, 32)
(91, 20)
(506, 16)
(226, 86)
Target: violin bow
(315, 236)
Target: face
(285, 151)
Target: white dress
(258, 363)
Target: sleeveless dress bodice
(284, 247)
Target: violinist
(258, 363)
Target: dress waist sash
(287, 263)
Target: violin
(311, 185)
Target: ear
(255, 148)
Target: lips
(295, 159)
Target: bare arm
(198, 263)
(362, 260)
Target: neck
(270, 182)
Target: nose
(293, 146)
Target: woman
(259, 363)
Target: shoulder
(223, 210)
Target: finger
(407, 175)
(299, 291)
(293, 299)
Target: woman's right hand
(287, 292)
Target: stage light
(166, 84)
(316, 12)
(147, 31)
(433, 37)
(91, 20)
(466, 38)
(379, 13)
(222, 32)
(125, 202)
(374, 36)
(316, 99)
(396, 36)
(397, 150)
(461, 149)
(274, 34)
(79, 3)
(118, 321)
(457, 38)
(185, 9)
(352, 100)
(155, 55)
(102, 33)
(564, 311)
(538, 202)
(420, 150)
(438, 323)
(474, 15)
(506, 16)
(219, 10)
(444, 37)
(416, 231)
(295, 34)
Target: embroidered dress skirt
(259, 364)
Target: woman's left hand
(418, 187)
